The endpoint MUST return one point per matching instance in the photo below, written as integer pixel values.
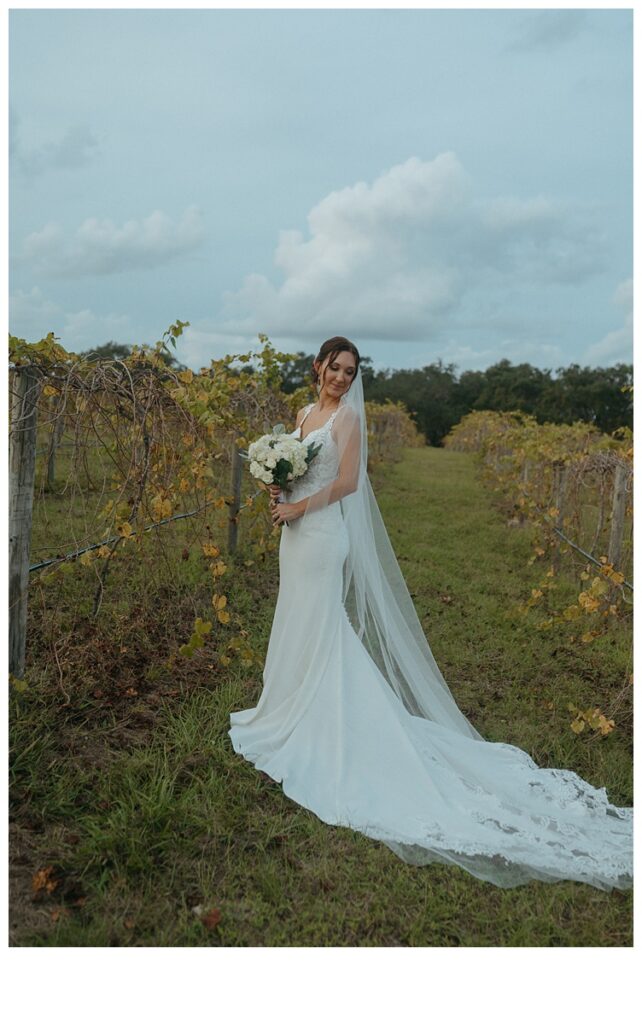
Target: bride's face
(339, 373)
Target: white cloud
(102, 247)
(32, 316)
(616, 346)
(398, 258)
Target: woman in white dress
(355, 718)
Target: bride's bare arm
(347, 480)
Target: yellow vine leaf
(599, 586)
(211, 550)
(572, 612)
(588, 602)
(161, 507)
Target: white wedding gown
(329, 727)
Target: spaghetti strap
(331, 419)
(324, 426)
(307, 412)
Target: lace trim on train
(536, 845)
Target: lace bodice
(324, 467)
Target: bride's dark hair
(331, 348)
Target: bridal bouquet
(279, 458)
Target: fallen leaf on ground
(42, 880)
(211, 919)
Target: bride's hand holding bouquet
(276, 460)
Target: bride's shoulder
(301, 413)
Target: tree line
(439, 398)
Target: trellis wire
(112, 540)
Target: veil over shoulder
(358, 723)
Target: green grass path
(145, 833)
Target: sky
(433, 184)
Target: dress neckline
(329, 420)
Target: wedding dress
(358, 724)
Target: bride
(355, 718)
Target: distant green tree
(110, 350)
(469, 388)
(592, 394)
(367, 373)
(506, 387)
(429, 393)
(296, 372)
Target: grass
(146, 820)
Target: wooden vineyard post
(233, 523)
(618, 510)
(559, 491)
(24, 390)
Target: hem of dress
(429, 854)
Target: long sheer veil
(375, 594)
